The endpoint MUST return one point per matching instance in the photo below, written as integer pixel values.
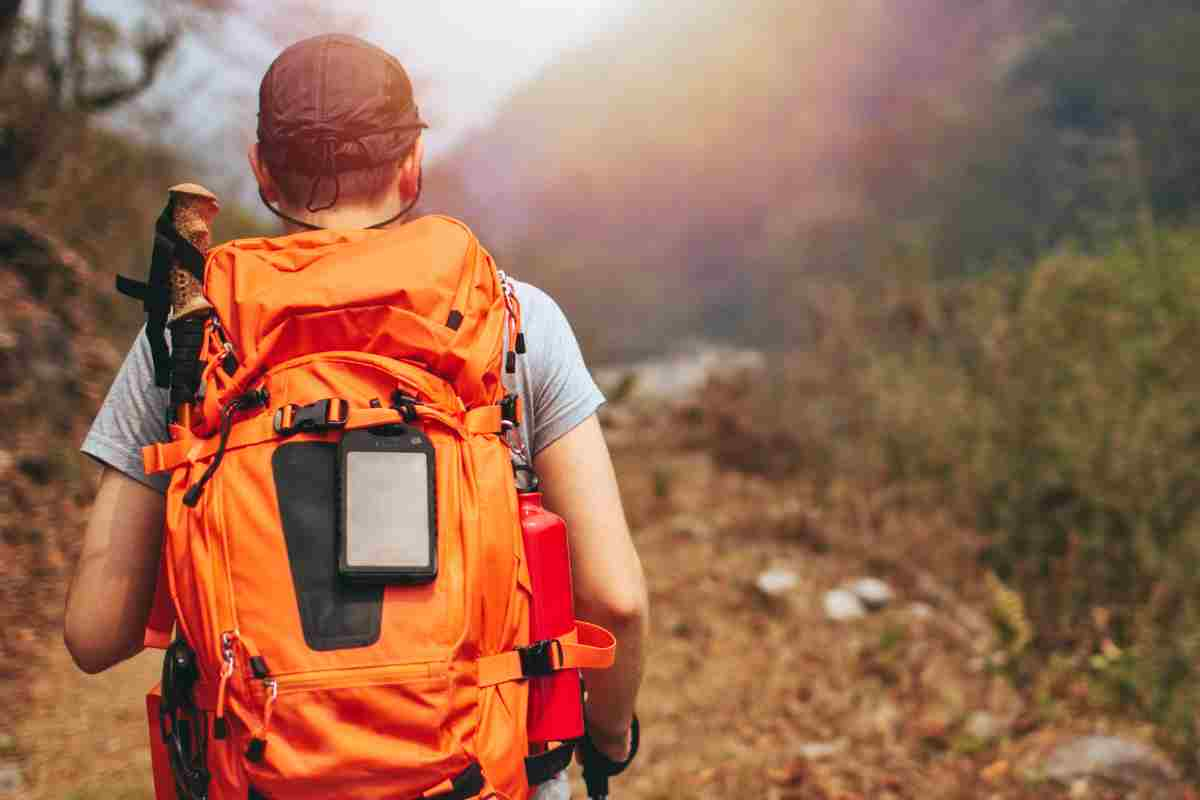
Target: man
(317, 169)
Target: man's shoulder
(538, 308)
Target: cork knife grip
(192, 209)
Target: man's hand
(615, 747)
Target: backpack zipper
(356, 677)
(220, 727)
(348, 678)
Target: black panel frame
(393, 438)
(334, 615)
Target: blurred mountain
(706, 152)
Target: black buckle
(292, 418)
(465, 785)
(508, 411)
(406, 404)
(537, 660)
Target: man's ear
(410, 170)
(263, 175)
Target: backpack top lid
(426, 292)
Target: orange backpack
(285, 681)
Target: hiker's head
(339, 134)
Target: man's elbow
(624, 608)
(86, 658)
(91, 653)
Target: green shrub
(1058, 411)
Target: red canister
(555, 704)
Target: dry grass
(735, 684)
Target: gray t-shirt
(556, 389)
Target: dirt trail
(741, 693)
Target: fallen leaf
(994, 772)
(793, 773)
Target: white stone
(874, 593)
(841, 605)
(816, 750)
(777, 582)
(1111, 758)
(920, 610)
(983, 726)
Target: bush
(1058, 410)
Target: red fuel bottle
(555, 705)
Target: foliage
(1059, 411)
(1090, 134)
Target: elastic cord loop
(309, 226)
(329, 148)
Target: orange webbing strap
(161, 623)
(163, 456)
(484, 419)
(587, 647)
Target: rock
(874, 593)
(777, 582)
(920, 611)
(11, 782)
(693, 527)
(1110, 758)
(841, 605)
(817, 750)
(983, 726)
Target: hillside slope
(713, 153)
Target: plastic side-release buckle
(466, 784)
(321, 415)
(538, 658)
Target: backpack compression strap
(163, 456)
(587, 647)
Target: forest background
(964, 232)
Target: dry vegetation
(738, 686)
(1014, 453)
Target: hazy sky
(464, 57)
(469, 55)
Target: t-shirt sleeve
(133, 415)
(561, 390)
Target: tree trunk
(50, 63)
(10, 12)
(74, 77)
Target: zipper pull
(229, 361)
(258, 744)
(220, 727)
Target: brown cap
(335, 103)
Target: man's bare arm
(109, 601)
(610, 589)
